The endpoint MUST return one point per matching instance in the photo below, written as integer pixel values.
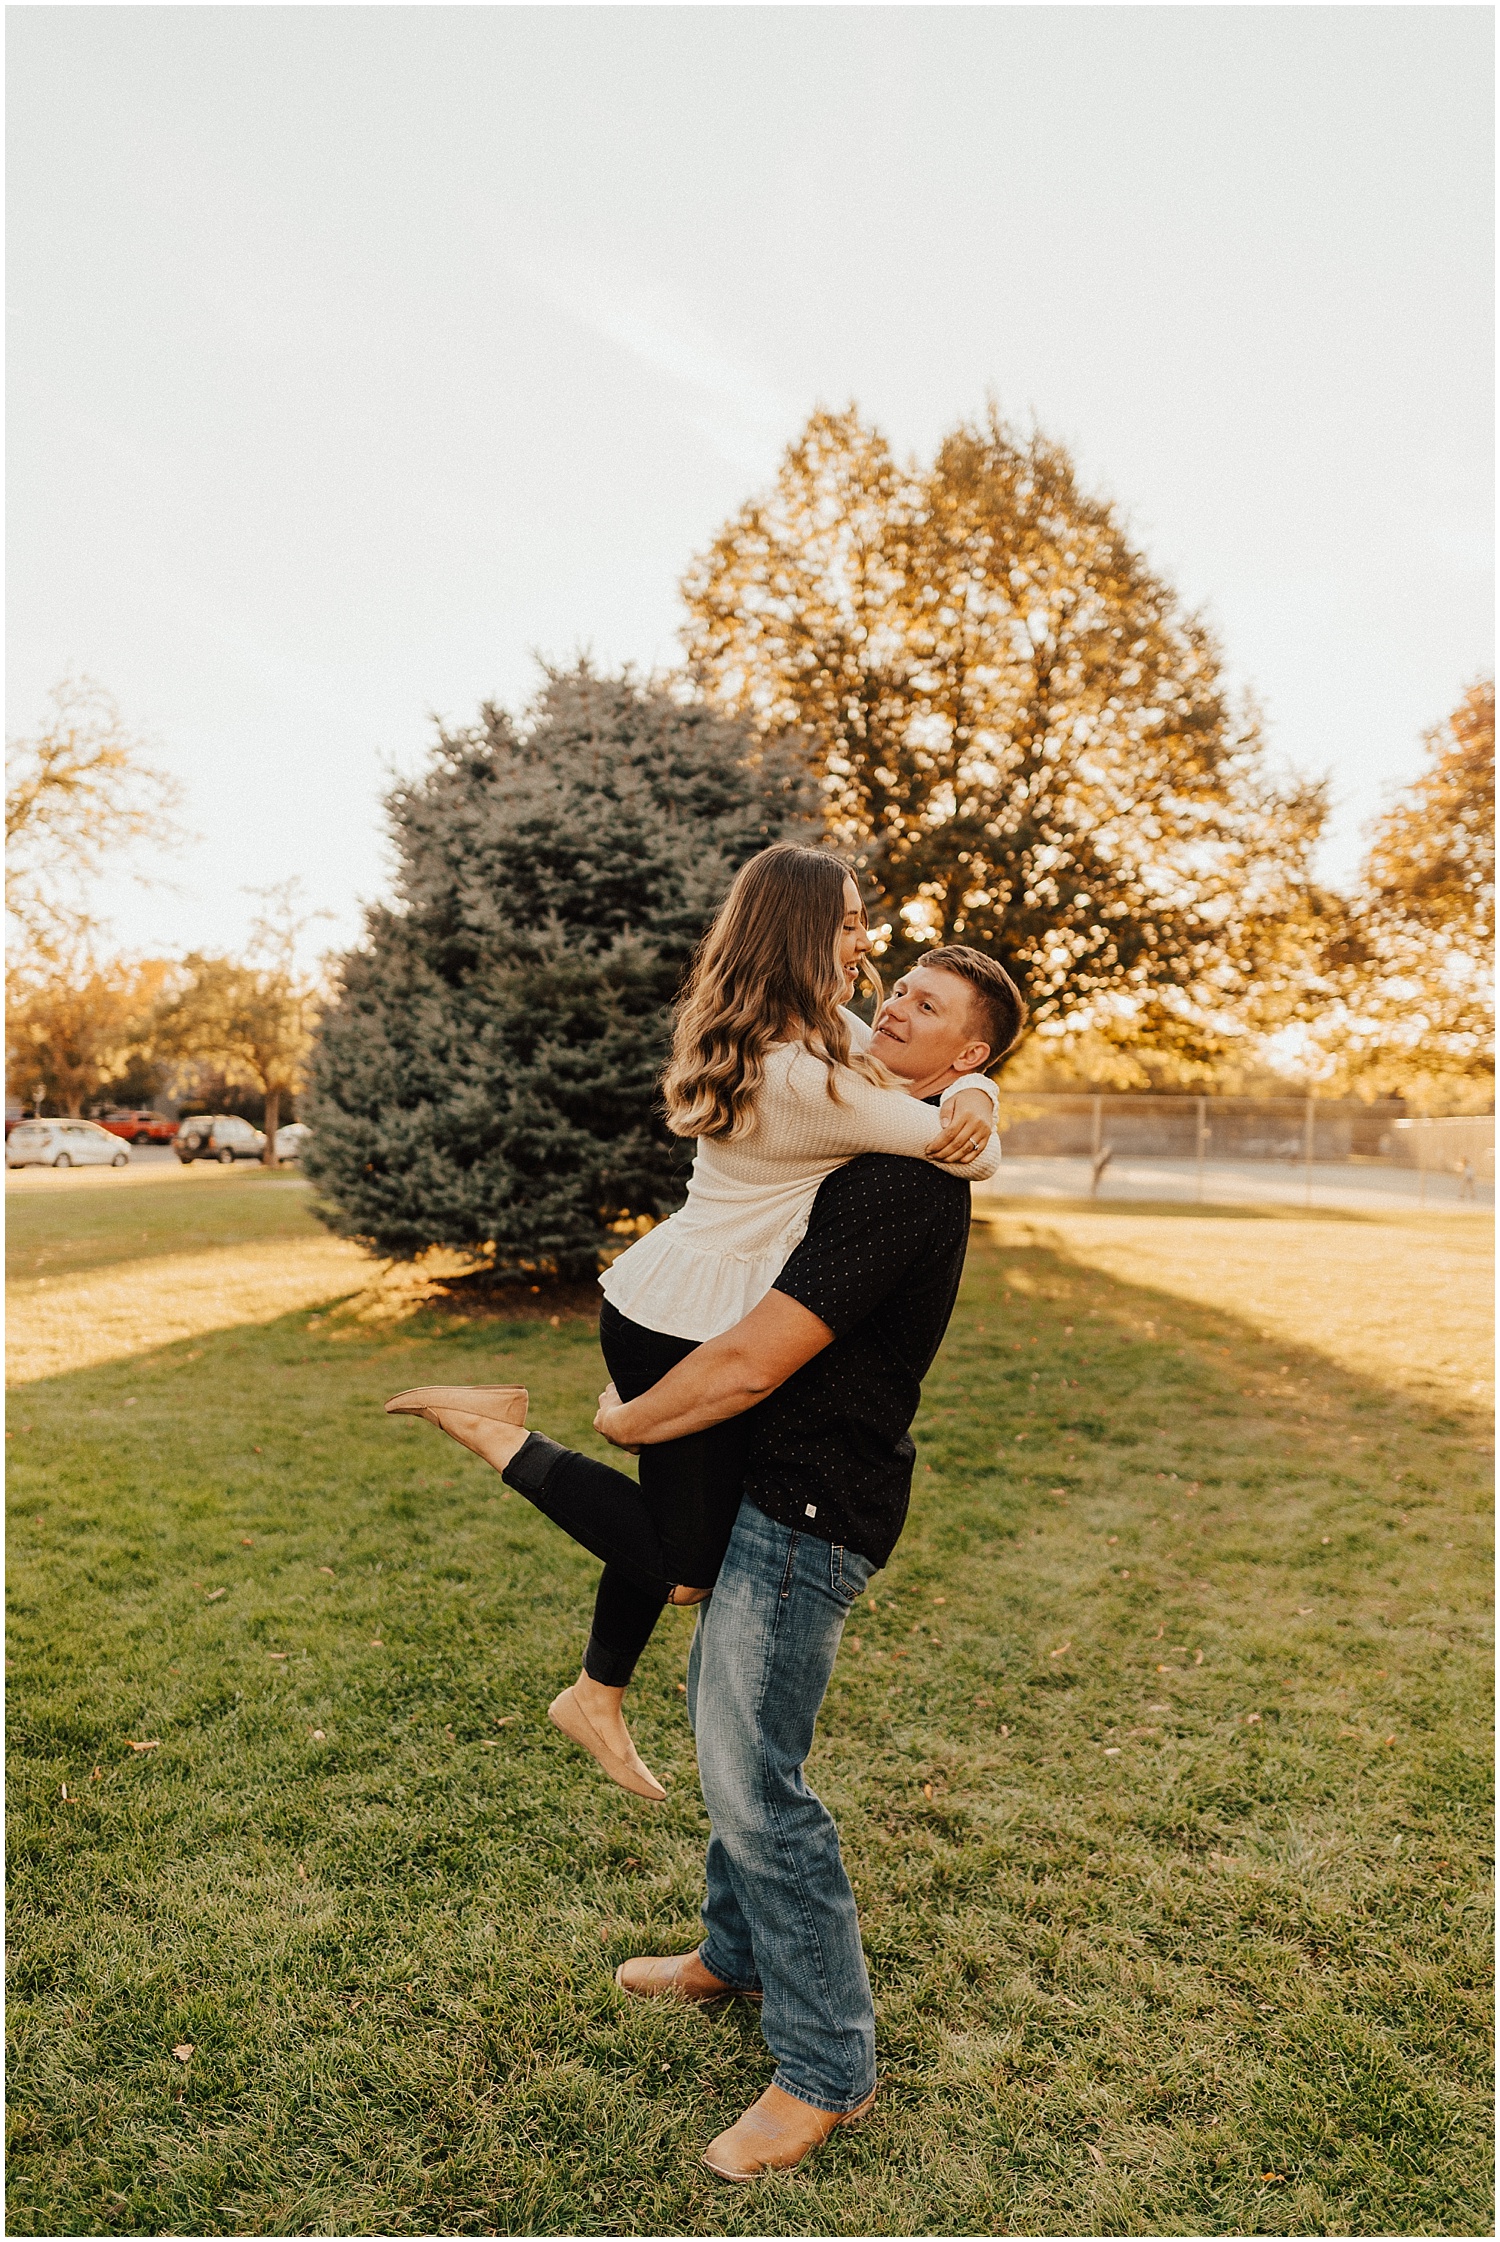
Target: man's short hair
(998, 1007)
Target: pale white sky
(358, 352)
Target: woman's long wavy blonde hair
(766, 972)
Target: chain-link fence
(1321, 1151)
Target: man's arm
(722, 1378)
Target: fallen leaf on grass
(1094, 2153)
(327, 1569)
(1273, 2175)
(927, 1790)
(149, 1745)
(246, 1541)
(278, 1654)
(376, 1643)
(96, 1775)
(1060, 1651)
(214, 1594)
(183, 2050)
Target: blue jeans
(780, 1912)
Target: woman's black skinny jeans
(671, 1530)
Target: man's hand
(967, 1122)
(609, 1405)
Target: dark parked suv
(218, 1136)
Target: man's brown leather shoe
(677, 1977)
(775, 2134)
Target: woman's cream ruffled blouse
(749, 1198)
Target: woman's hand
(609, 1404)
(967, 1122)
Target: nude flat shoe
(566, 1713)
(775, 2134)
(506, 1404)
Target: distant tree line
(963, 674)
(87, 1027)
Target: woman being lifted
(777, 1082)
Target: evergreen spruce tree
(486, 1075)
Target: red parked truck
(138, 1126)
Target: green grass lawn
(61, 1233)
(1161, 1759)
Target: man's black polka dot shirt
(830, 1452)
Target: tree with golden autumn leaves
(1412, 1009)
(1018, 730)
(75, 1021)
(78, 791)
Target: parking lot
(149, 1163)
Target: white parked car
(63, 1144)
(291, 1142)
